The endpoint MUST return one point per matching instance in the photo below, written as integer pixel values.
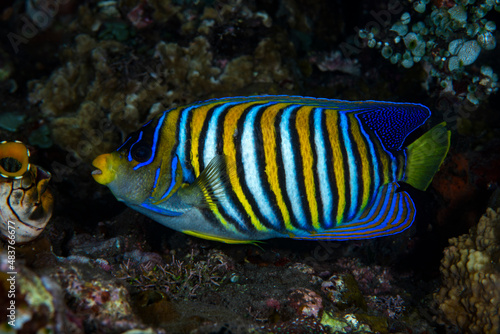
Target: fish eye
(141, 153)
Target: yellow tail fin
(425, 155)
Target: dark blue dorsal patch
(394, 122)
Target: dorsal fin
(392, 122)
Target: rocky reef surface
(76, 77)
(123, 277)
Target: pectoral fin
(209, 187)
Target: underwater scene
(249, 166)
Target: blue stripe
(251, 165)
(387, 211)
(187, 174)
(400, 209)
(396, 205)
(131, 146)
(369, 218)
(324, 186)
(347, 233)
(160, 210)
(288, 154)
(172, 180)
(402, 202)
(373, 156)
(339, 236)
(155, 142)
(157, 177)
(353, 176)
(126, 141)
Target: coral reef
(112, 283)
(39, 302)
(445, 38)
(469, 297)
(99, 300)
(106, 89)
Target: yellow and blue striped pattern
(304, 167)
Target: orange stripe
(269, 139)
(165, 153)
(365, 164)
(304, 132)
(332, 127)
(197, 122)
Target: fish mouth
(104, 172)
(97, 172)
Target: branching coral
(178, 279)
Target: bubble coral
(445, 37)
(469, 297)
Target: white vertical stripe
(251, 165)
(210, 145)
(181, 148)
(287, 154)
(394, 168)
(321, 166)
(353, 175)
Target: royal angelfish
(251, 168)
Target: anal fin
(391, 212)
(218, 238)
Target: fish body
(25, 201)
(251, 168)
